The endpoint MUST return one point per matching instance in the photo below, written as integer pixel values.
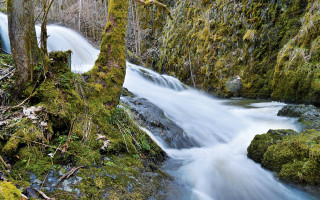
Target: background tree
(44, 35)
(23, 39)
(110, 67)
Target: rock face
(294, 156)
(272, 45)
(154, 119)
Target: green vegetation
(8, 191)
(272, 47)
(294, 156)
(68, 129)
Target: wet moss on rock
(9, 191)
(293, 156)
(124, 170)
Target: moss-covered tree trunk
(109, 71)
(23, 39)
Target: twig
(44, 180)
(43, 194)
(157, 3)
(70, 173)
(4, 163)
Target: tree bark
(110, 67)
(44, 34)
(23, 39)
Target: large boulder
(153, 118)
(260, 143)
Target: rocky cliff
(257, 49)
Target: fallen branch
(43, 194)
(4, 163)
(70, 173)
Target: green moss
(292, 172)
(283, 153)
(72, 115)
(259, 145)
(8, 191)
(294, 156)
(109, 69)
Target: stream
(218, 167)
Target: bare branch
(70, 173)
(43, 194)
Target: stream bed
(217, 167)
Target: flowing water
(60, 39)
(219, 169)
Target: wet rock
(31, 193)
(234, 84)
(154, 119)
(309, 115)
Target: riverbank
(57, 132)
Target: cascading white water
(83, 53)
(4, 35)
(219, 169)
(60, 39)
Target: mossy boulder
(8, 191)
(292, 172)
(259, 145)
(279, 154)
(309, 115)
(293, 156)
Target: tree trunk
(44, 34)
(23, 39)
(109, 71)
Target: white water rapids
(217, 170)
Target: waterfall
(83, 53)
(216, 169)
(4, 35)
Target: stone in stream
(293, 156)
(309, 115)
(154, 119)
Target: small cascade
(4, 35)
(60, 39)
(162, 80)
(83, 53)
